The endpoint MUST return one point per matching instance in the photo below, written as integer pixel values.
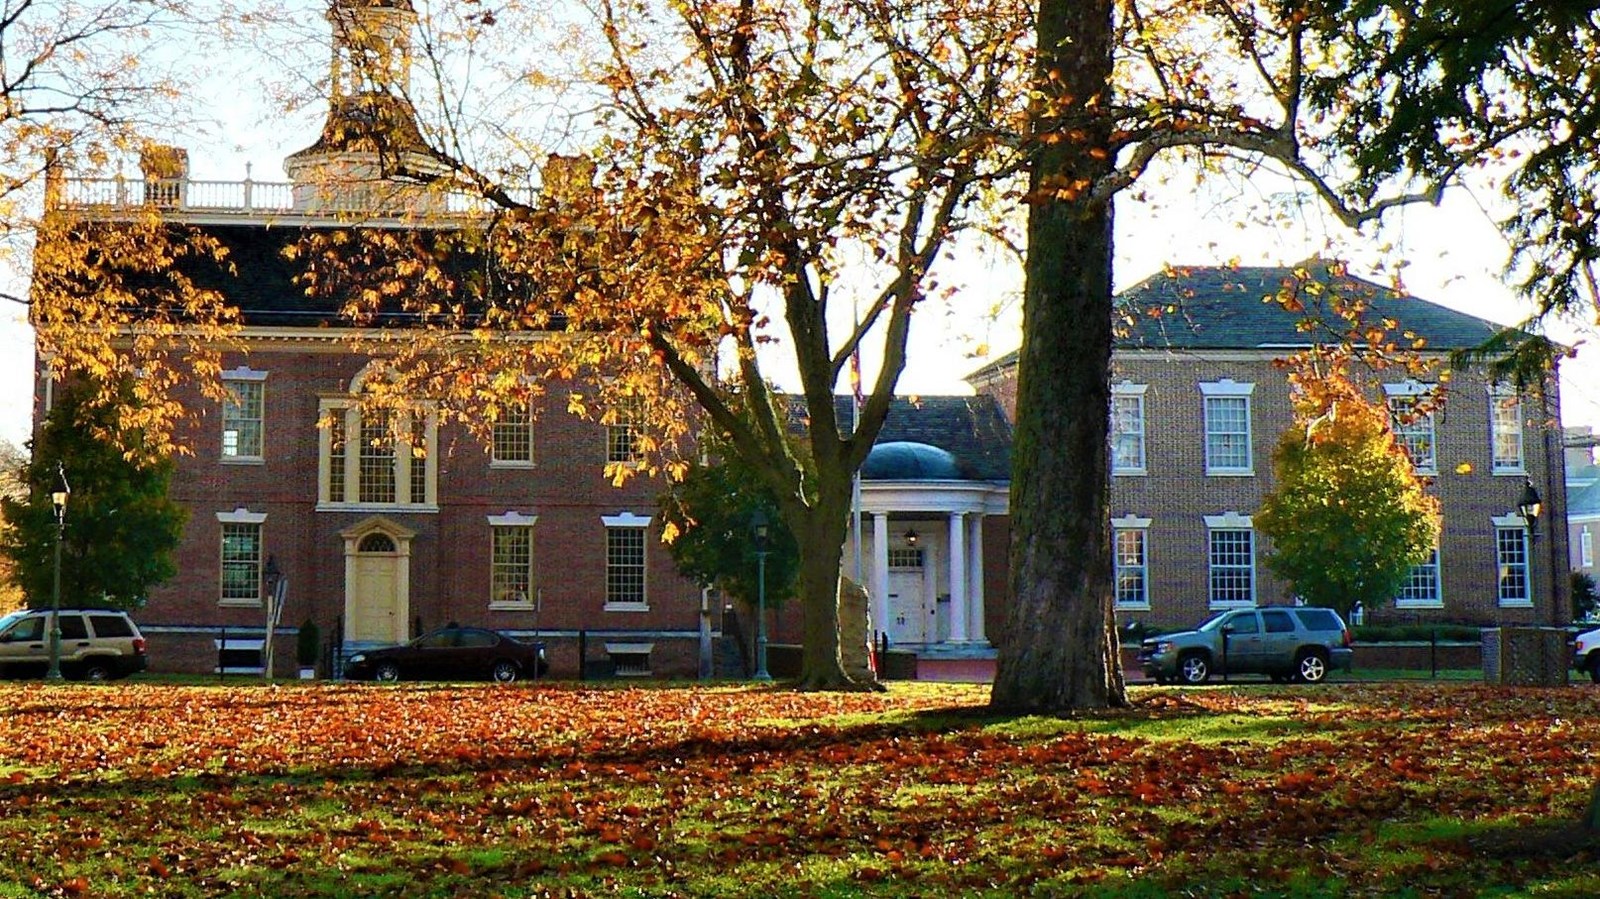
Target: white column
(958, 579)
(975, 626)
(880, 572)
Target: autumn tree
(85, 86)
(120, 528)
(783, 173)
(12, 461)
(1347, 515)
(1367, 106)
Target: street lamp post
(58, 500)
(758, 530)
(1529, 506)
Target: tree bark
(821, 529)
(1060, 649)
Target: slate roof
(1231, 307)
(258, 276)
(1584, 501)
(971, 428)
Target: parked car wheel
(1594, 668)
(1194, 668)
(388, 672)
(504, 672)
(94, 670)
(1311, 666)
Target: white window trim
(1233, 521)
(1514, 522)
(1586, 548)
(1130, 389)
(496, 462)
(247, 374)
(1412, 389)
(630, 520)
(512, 519)
(1502, 392)
(349, 409)
(1438, 600)
(1228, 388)
(1131, 523)
(240, 515)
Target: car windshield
(7, 620)
(1212, 623)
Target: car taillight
(1346, 636)
(138, 646)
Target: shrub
(308, 645)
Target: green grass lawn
(1344, 789)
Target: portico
(923, 546)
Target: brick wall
(449, 563)
(1177, 494)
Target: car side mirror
(1227, 628)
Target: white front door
(910, 614)
(376, 603)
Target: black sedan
(451, 653)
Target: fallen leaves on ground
(135, 789)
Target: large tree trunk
(821, 531)
(1060, 649)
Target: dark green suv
(1285, 642)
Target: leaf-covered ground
(344, 790)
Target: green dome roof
(906, 461)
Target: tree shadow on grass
(1568, 842)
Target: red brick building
(1198, 407)
(293, 483)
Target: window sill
(1516, 603)
(511, 464)
(1133, 606)
(1419, 603)
(420, 508)
(1510, 472)
(1230, 472)
(511, 607)
(239, 603)
(627, 607)
(242, 460)
(1129, 472)
(1231, 604)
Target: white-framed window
(1231, 560)
(1421, 587)
(389, 464)
(622, 432)
(511, 443)
(1412, 421)
(1505, 431)
(240, 557)
(511, 582)
(1586, 548)
(1227, 423)
(1511, 561)
(626, 584)
(1131, 561)
(243, 415)
(1127, 428)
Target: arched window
(376, 543)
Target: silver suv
(96, 644)
(1288, 643)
